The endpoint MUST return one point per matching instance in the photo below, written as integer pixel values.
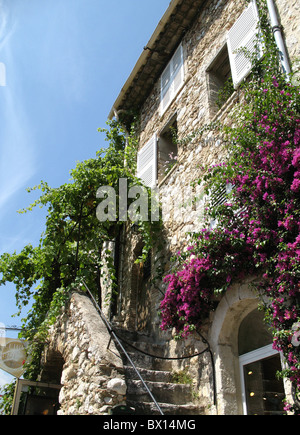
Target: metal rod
(110, 330)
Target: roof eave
(143, 58)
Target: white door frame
(248, 358)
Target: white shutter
(243, 34)
(177, 70)
(147, 163)
(172, 79)
(219, 197)
(166, 89)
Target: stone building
(174, 87)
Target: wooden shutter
(166, 89)
(172, 79)
(177, 70)
(219, 197)
(243, 34)
(147, 163)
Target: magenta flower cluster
(188, 299)
(258, 229)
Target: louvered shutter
(147, 163)
(243, 34)
(177, 70)
(172, 79)
(219, 197)
(166, 89)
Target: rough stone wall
(193, 109)
(92, 376)
(289, 11)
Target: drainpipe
(277, 31)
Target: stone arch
(52, 367)
(236, 304)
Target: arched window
(262, 391)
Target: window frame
(251, 357)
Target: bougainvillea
(258, 228)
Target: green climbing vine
(73, 246)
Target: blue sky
(65, 61)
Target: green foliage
(71, 249)
(7, 393)
(225, 92)
(182, 377)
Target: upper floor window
(157, 157)
(233, 62)
(172, 79)
(219, 81)
(167, 148)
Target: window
(167, 148)
(147, 163)
(220, 85)
(172, 79)
(232, 65)
(159, 155)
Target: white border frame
(20, 384)
(248, 358)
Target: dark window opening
(167, 149)
(220, 84)
(52, 368)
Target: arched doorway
(239, 338)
